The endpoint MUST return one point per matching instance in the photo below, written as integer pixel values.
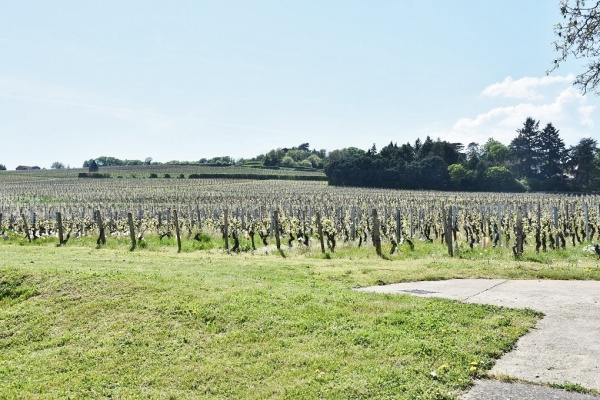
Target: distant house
(93, 166)
(26, 168)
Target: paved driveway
(563, 347)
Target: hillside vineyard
(241, 209)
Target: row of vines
(294, 212)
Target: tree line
(106, 161)
(289, 157)
(535, 160)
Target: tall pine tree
(526, 149)
(552, 149)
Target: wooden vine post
(587, 222)
(59, 226)
(131, 230)
(398, 226)
(555, 216)
(272, 216)
(226, 228)
(199, 217)
(499, 225)
(320, 230)
(100, 223)
(448, 229)
(27, 233)
(519, 234)
(376, 235)
(177, 234)
(352, 223)
(276, 225)
(411, 234)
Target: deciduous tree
(582, 161)
(579, 38)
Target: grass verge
(83, 322)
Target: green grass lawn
(80, 322)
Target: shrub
(287, 161)
(93, 175)
(500, 179)
(305, 164)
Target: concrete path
(564, 347)
(496, 390)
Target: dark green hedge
(259, 177)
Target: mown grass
(82, 322)
(427, 261)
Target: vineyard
(174, 171)
(246, 215)
(241, 288)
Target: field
(174, 171)
(94, 320)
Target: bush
(287, 161)
(153, 175)
(500, 179)
(203, 241)
(93, 175)
(305, 164)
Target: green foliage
(552, 150)
(536, 160)
(273, 157)
(260, 176)
(315, 161)
(496, 153)
(526, 149)
(582, 163)
(500, 179)
(460, 177)
(287, 161)
(2, 167)
(305, 164)
(93, 175)
(224, 160)
(114, 324)
(203, 241)
(387, 169)
(571, 387)
(577, 37)
(14, 289)
(293, 157)
(105, 161)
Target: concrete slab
(564, 347)
(497, 390)
(455, 289)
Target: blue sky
(182, 80)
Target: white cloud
(523, 88)
(566, 109)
